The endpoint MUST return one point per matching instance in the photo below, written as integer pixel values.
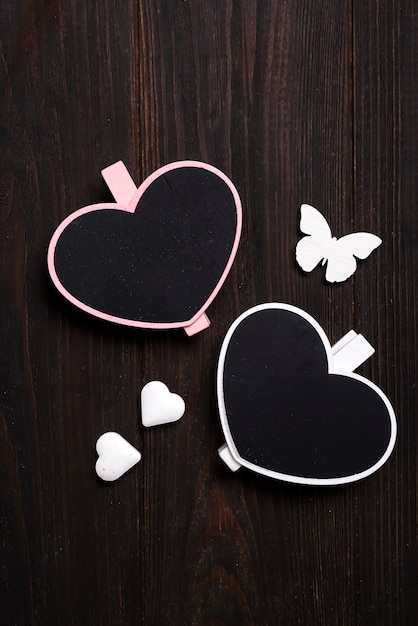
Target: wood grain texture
(297, 102)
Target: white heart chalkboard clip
(349, 353)
(290, 405)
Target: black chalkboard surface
(157, 262)
(286, 413)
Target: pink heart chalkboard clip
(290, 405)
(158, 256)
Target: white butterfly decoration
(320, 245)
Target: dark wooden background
(297, 101)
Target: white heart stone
(116, 456)
(159, 405)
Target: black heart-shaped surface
(157, 262)
(286, 413)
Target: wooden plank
(67, 103)
(384, 197)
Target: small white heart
(116, 456)
(159, 405)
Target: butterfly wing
(341, 259)
(312, 249)
(341, 265)
(360, 245)
(313, 223)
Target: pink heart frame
(127, 197)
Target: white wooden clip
(351, 351)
